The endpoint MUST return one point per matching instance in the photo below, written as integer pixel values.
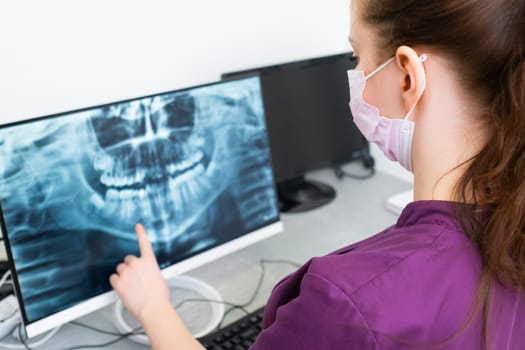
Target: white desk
(357, 212)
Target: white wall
(57, 55)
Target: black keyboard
(238, 335)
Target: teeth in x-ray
(185, 164)
(172, 168)
(110, 180)
(150, 201)
(97, 200)
(102, 161)
(114, 194)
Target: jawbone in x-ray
(192, 166)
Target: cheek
(385, 95)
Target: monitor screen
(193, 166)
(309, 121)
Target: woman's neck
(448, 134)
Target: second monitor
(309, 124)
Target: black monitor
(192, 165)
(309, 124)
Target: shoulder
(319, 316)
(421, 280)
(414, 281)
(398, 254)
(397, 280)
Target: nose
(149, 130)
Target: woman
(439, 89)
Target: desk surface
(357, 212)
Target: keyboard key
(239, 335)
(218, 339)
(249, 333)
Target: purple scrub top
(408, 287)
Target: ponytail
(495, 183)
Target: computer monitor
(193, 166)
(309, 123)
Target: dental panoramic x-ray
(193, 166)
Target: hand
(138, 281)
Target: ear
(414, 76)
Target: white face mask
(393, 136)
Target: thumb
(145, 247)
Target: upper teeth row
(112, 181)
(114, 194)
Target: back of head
(484, 41)
(483, 38)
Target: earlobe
(414, 77)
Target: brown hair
(485, 42)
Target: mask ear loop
(375, 71)
(422, 58)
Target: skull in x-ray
(157, 161)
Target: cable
(340, 173)
(199, 300)
(26, 345)
(22, 340)
(241, 306)
(233, 307)
(120, 337)
(94, 346)
(368, 163)
(181, 282)
(257, 288)
(139, 330)
(4, 278)
(98, 330)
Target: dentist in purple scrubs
(440, 88)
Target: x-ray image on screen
(192, 166)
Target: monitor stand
(299, 195)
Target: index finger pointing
(146, 250)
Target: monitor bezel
(297, 64)
(37, 327)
